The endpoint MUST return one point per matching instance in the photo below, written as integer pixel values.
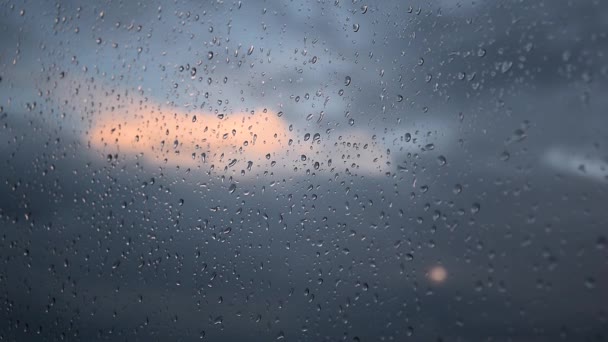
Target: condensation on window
(330, 170)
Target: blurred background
(335, 170)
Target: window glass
(330, 170)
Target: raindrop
(590, 283)
(601, 242)
(347, 81)
(457, 189)
(506, 66)
(441, 160)
(475, 208)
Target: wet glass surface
(304, 170)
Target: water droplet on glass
(457, 189)
(441, 160)
(475, 208)
(601, 242)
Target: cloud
(242, 144)
(575, 164)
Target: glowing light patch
(437, 274)
(241, 144)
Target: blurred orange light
(438, 274)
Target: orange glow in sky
(258, 140)
(188, 139)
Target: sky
(304, 170)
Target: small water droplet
(475, 208)
(457, 189)
(506, 66)
(601, 242)
(441, 160)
